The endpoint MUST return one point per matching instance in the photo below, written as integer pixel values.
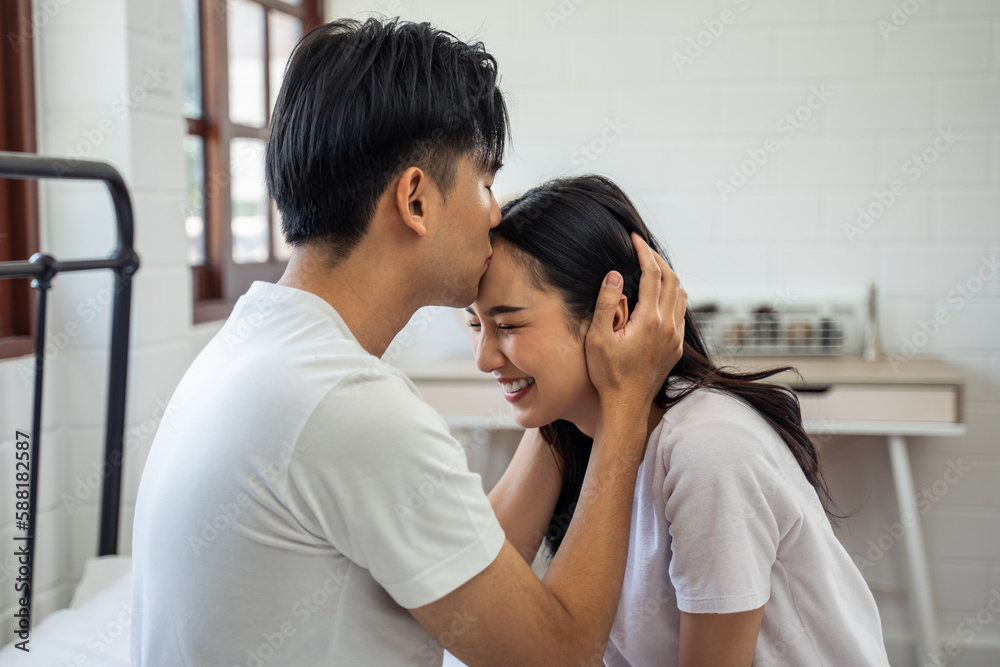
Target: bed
(71, 636)
(93, 631)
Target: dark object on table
(738, 334)
(765, 326)
(829, 334)
(799, 334)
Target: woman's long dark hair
(570, 233)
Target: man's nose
(494, 213)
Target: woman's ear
(621, 313)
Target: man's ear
(621, 313)
(411, 199)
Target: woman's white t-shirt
(725, 521)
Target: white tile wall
(967, 216)
(829, 51)
(891, 107)
(833, 271)
(891, 94)
(663, 113)
(940, 48)
(101, 105)
(908, 219)
(568, 68)
(950, 267)
(737, 53)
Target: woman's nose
(487, 353)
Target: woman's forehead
(508, 282)
(505, 282)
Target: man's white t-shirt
(725, 521)
(298, 497)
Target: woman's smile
(515, 389)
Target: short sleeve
(377, 473)
(719, 493)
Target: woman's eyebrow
(496, 310)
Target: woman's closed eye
(500, 327)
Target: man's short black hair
(360, 103)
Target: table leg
(921, 598)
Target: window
(235, 53)
(18, 199)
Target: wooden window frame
(220, 281)
(18, 198)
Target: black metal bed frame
(41, 268)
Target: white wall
(109, 88)
(684, 131)
(571, 67)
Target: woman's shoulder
(707, 407)
(714, 423)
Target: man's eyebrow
(496, 310)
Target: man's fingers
(680, 308)
(607, 301)
(649, 282)
(670, 284)
(672, 301)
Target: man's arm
(509, 616)
(512, 618)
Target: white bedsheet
(93, 631)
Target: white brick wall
(91, 57)
(569, 67)
(689, 126)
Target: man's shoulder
(375, 413)
(376, 389)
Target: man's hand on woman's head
(628, 366)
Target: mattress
(94, 629)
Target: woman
(732, 558)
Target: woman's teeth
(511, 387)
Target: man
(275, 522)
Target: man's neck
(372, 303)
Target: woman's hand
(629, 366)
(526, 495)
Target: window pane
(282, 251)
(194, 199)
(250, 201)
(245, 34)
(285, 32)
(191, 45)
